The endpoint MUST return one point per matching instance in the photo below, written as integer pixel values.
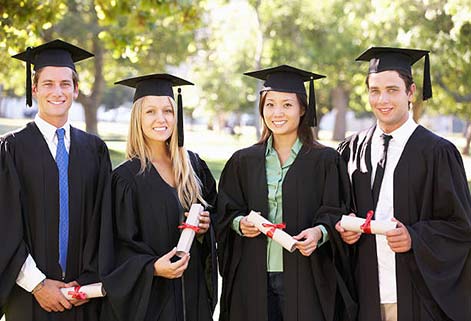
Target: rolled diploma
(279, 236)
(94, 290)
(353, 223)
(187, 236)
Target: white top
(30, 275)
(49, 134)
(385, 207)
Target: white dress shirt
(30, 276)
(385, 207)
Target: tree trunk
(258, 64)
(91, 121)
(418, 110)
(92, 102)
(468, 138)
(339, 103)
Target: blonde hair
(188, 184)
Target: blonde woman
(151, 191)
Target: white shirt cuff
(30, 276)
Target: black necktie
(380, 169)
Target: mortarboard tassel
(180, 118)
(427, 85)
(29, 94)
(312, 121)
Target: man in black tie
(421, 270)
(52, 181)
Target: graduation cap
(288, 79)
(387, 58)
(56, 53)
(159, 85)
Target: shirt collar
(400, 135)
(294, 149)
(48, 130)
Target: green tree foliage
(217, 40)
(225, 48)
(127, 37)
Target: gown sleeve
(335, 197)
(90, 257)
(441, 239)
(209, 255)
(126, 263)
(231, 203)
(14, 250)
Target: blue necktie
(62, 160)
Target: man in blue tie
(52, 182)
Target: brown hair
(75, 77)
(305, 132)
(408, 81)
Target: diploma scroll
(190, 227)
(90, 291)
(357, 224)
(273, 231)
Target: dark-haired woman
(289, 178)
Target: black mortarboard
(386, 58)
(159, 85)
(54, 53)
(288, 79)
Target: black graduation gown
(140, 227)
(314, 192)
(29, 216)
(431, 197)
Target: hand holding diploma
(204, 222)
(273, 231)
(50, 298)
(307, 240)
(348, 237)
(399, 239)
(165, 268)
(247, 228)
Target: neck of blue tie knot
(60, 132)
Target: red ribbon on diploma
(366, 227)
(76, 294)
(185, 225)
(273, 228)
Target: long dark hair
(305, 132)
